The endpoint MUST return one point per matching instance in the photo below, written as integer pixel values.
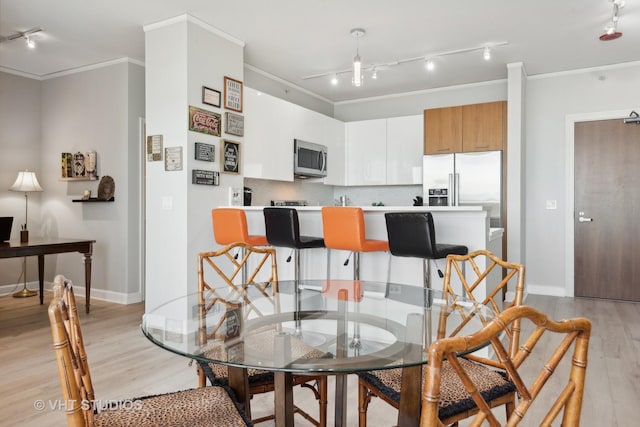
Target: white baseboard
(552, 291)
(99, 294)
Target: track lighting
(23, 34)
(358, 68)
(611, 29)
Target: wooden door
(484, 126)
(443, 130)
(607, 198)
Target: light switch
(167, 203)
(552, 204)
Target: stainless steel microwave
(309, 159)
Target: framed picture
(211, 96)
(204, 121)
(173, 159)
(204, 152)
(234, 124)
(232, 94)
(230, 156)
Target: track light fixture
(358, 67)
(486, 53)
(23, 35)
(611, 29)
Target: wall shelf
(92, 200)
(79, 178)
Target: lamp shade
(26, 182)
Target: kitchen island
(463, 225)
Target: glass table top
(329, 326)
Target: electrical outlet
(552, 204)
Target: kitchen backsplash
(318, 194)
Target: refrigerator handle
(451, 196)
(457, 191)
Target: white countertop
(379, 208)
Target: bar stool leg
(426, 271)
(355, 341)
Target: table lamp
(26, 182)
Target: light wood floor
(124, 364)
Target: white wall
(182, 55)
(550, 99)
(20, 143)
(94, 110)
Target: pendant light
(357, 62)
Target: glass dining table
(327, 327)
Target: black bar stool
(412, 234)
(283, 230)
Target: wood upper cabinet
(465, 128)
(443, 130)
(484, 126)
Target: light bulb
(487, 53)
(430, 65)
(334, 80)
(30, 42)
(357, 71)
(374, 75)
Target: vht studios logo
(86, 405)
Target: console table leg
(87, 278)
(41, 277)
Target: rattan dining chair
(209, 406)
(457, 404)
(262, 276)
(446, 366)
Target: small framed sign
(204, 177)
(173, 159)
(205, 152)
(211, 96)
(154, 148)
(232, 94)
(204, 121)
(234, 124)
(230, 156)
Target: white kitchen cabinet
(333, 138)
(366, 148)
(404, 150)
(267, 147)
(307, 124)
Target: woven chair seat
(260, 344)
(454, 398)
(208, 406)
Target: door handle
(583, 219)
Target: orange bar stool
(230, 226)
(343, 229)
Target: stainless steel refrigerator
(464, 179)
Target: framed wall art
(234, 124)
(204, 121)
(232, 94)
(211, 96)
(204, 152)
(230, 156)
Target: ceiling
(291, 39)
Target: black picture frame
(211, 96)
(230, 156)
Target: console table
(48, 246)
